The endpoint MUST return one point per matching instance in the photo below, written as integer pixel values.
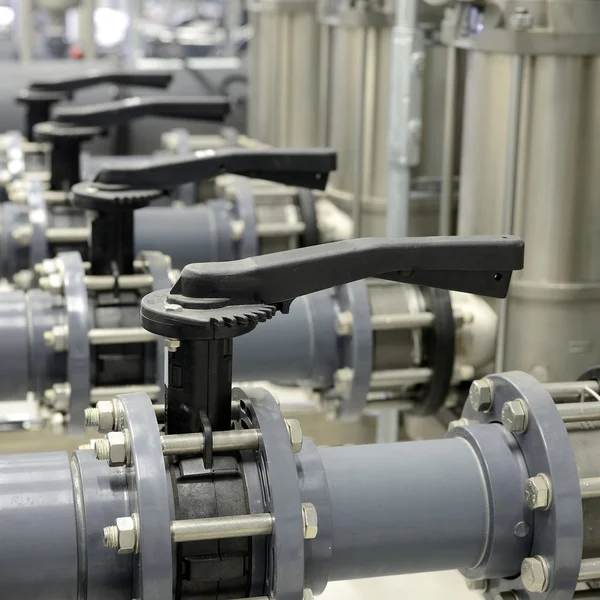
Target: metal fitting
(538, 492)
(535, 574)
(310, 520)
(123, 535)
(515, 416)
(105, 416)
(295, 433)
(59, 397)
(342, 379)
(22, 235)
(52, 283)
(344, 323)
(307, 594)
(172, 345)
(57, 338)
(46, 267)
(115, 448)
(23, 279)
(481, 395)
(477, 585)
(238, 227)
(521, 19)
(458, 423)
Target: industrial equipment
(525, 170)
(245, 506)
(76, 338)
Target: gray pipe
(38, 527)
(298, 347)
(405, 508)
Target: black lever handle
(212, 303)
(301, 168)
(147, 79)
(214, 109)
(39, 97)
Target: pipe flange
(439, 344)
(157, 265)
(78, 354)
(356, 350)
(150, 499)
(545, 446)
(284, 575)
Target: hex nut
(538, 492)
(172, 345)
(127, 535)
(118, 442)
(477, 585)
(310, 520)
(344, 323)
(295, 433)
(106, 416)
(481, 395)
(458, 423)
(515, 416)
(535, 574)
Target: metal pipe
(279, 229)
(570, 390)
(67, 235)
(98, 283)
(449, 141)
(109, 392)
(223, 441)
(360, 138)
(120, 335)
(407, 321)
(590, 487)
(400, 377)
(512, 159)
(217, 528)
(590, 569)
(582, 411)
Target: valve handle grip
(105, 114)
(301, 168)
(147, 79)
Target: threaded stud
(102, 448)
(92, 417)
(85, 447)
(111, 535)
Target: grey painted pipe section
(409, 507)
(14, 346)
(298, 347)
(39, 536)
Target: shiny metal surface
(552, 329)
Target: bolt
(307, 594)
(237, 229)
(458, 423)
(59, 396)
(521, 19)
(344, 323)
(295, 433)
(123, 535)
(535, 574)
(172, 345)
(22, 235)
(538, 492)
(515, 416)
(342, 379)
(105, 416)
(310, 520)
(102, 449)
(22, 279)
(481, 395)
(477, 585)
(46, 267)
(57, 338)
(118, 444)
(85, 447)
(173, 307)
(52, 283)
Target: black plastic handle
(148, 79)
(301, 168)
(478, 264)
(122, 111)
